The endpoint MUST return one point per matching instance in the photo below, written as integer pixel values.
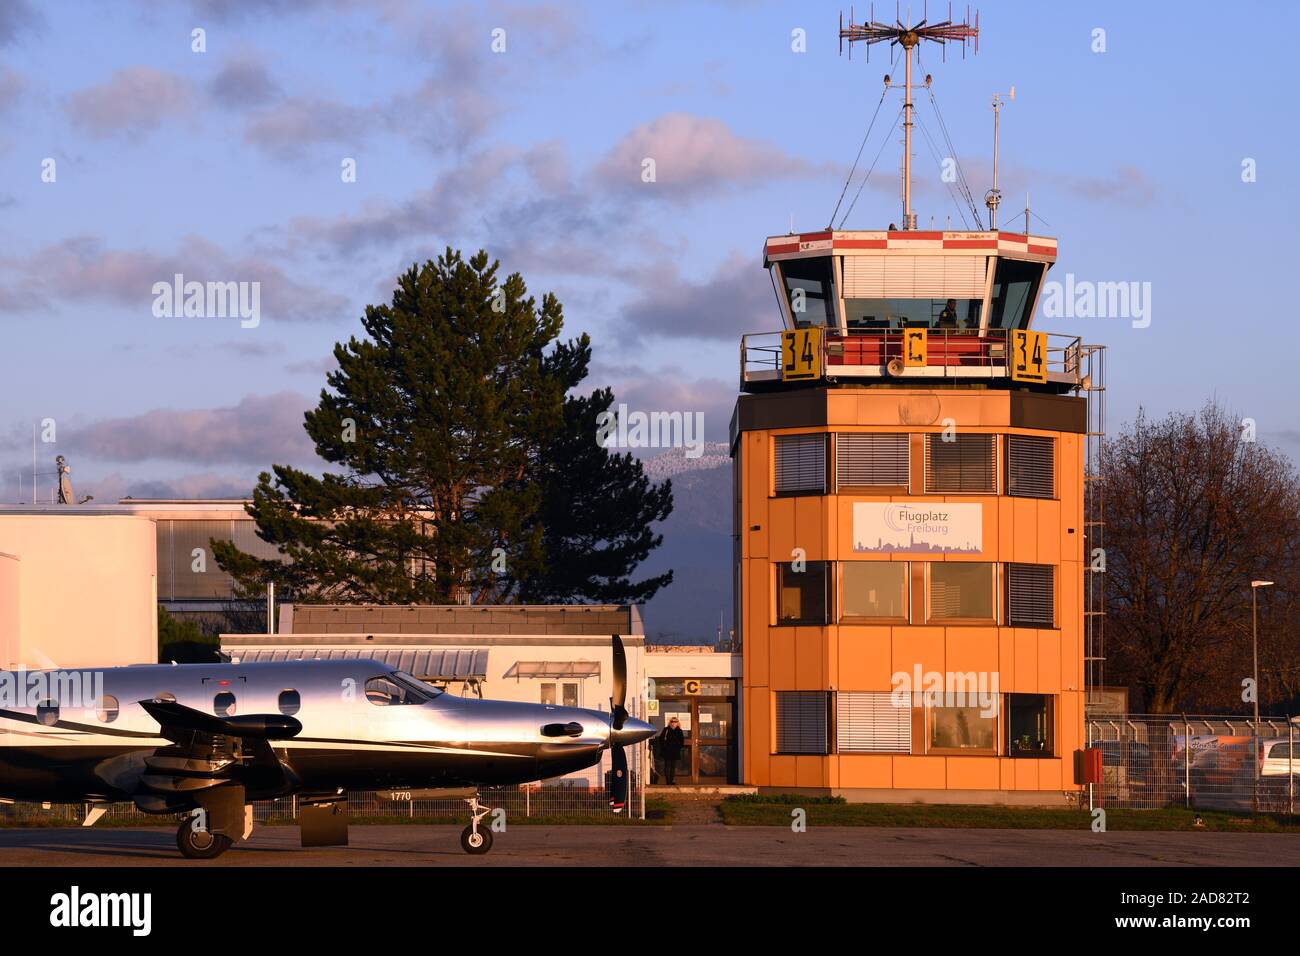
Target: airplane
(207, 740)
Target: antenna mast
(909, 38)
(994, 196)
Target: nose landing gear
(475, 839)
(197, 842)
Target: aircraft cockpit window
(290, 702)
(47, 712)
(427, 690)
(387, 692)
(223, 705)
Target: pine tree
(467, 471)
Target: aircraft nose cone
(633, 731)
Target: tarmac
(677, 845)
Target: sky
(127, 155)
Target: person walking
(671, 742)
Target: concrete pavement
(680, 845)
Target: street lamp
(1255, 667)
(1254, 639)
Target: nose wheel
(197, 843)
(476, 839)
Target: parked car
(1276, 760)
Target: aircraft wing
(208, 751)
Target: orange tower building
(909, 459)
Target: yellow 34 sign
(1028, 356)
(801, 354)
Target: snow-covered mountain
(697, 546)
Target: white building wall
(85, 592)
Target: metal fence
(570, 798)
(1208, 763)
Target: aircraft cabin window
(223, 705)
(107, 710)
(290, 702)
(387, 692)
(47, 712)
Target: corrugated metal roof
(436, 664)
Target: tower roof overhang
(916, 242)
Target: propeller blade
(617, 779)
(617, 703)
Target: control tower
(910, 526)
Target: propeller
(617, 717)
(618, 713)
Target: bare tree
(1195, 509)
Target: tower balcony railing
(964, 354)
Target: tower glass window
(961, 591)
(873, 590)
(1029, 725)
(802, 596)
(800, 462)
(1031, 466)
(871, 461)
(1015, 286)
(802, 722)
(956, 464)
(1031, 595)
(808, 291)
(962, 729)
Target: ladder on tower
(1093, 386)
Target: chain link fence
(1208, 763)
(575, 799)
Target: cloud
(240, 348)
(11, 88)
(258, 430)
(225, 11)
(1127, 185)
(83, 268)
(244, 81)
(135, 100)
(694, 156)
(115, 486)
(438, 212)
(287, 127)
(736, 299)
(17, 17)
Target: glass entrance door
(714, 740)
(709, 748)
